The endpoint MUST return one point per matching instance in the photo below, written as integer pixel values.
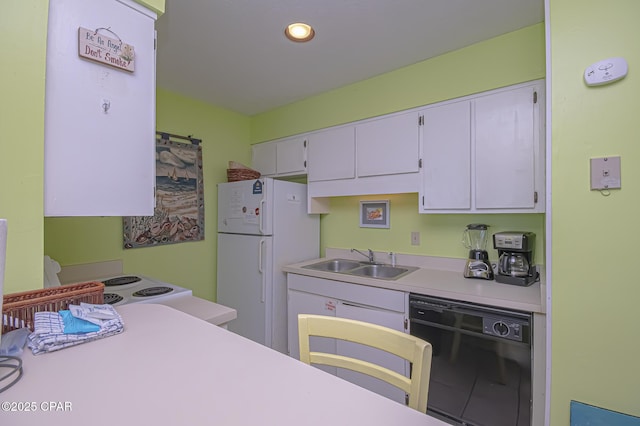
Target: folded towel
(49, 329)
(73, 325)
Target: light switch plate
(605, 173)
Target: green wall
(224, 137)
(595, 337)
(440, 234)
(23, 35)
(509, 59)
(155, 5)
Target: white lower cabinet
(306, 303)
(391, 319)
(334, 298)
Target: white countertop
(440, 277)
(169, 368)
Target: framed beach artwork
(179, 212)
(374, 214)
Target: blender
(474, 238)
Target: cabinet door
(505, 150)
(391, 319)
(389, 145)
(446, 157)
(291, 156)
(99, 133)
(264, 158)
(331, 154)
(306, 303)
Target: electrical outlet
(415, 238)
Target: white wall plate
(605, 173)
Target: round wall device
(605, 72)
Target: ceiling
(233, 53)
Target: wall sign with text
(107, 50)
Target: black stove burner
(129, 279)
(112, 298)
(152, 291)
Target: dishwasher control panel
(507, 328)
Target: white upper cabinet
(332, 154)
(376, 156)
(263, 158)
(388, 145)
(485, 153)
(283, 157)
(291, 156)
(99, 147)
(505, 149)
(446, 174)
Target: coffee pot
(474, 237)
(513, 264)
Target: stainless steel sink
(362, 269)
(380, 271)
(334, 265)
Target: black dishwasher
(481, 367)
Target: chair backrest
(410, 348)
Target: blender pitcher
(474, 237)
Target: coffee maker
(474, 238)
(515, 263)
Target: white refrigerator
(262, 225)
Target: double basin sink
(362, 269)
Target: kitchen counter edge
(443, 283)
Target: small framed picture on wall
(374, 214)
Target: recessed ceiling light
(299, 32)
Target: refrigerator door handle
(262, 277)
(261, 218)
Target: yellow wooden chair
(411, 348)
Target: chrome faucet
(368, 256)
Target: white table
(169, 368)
